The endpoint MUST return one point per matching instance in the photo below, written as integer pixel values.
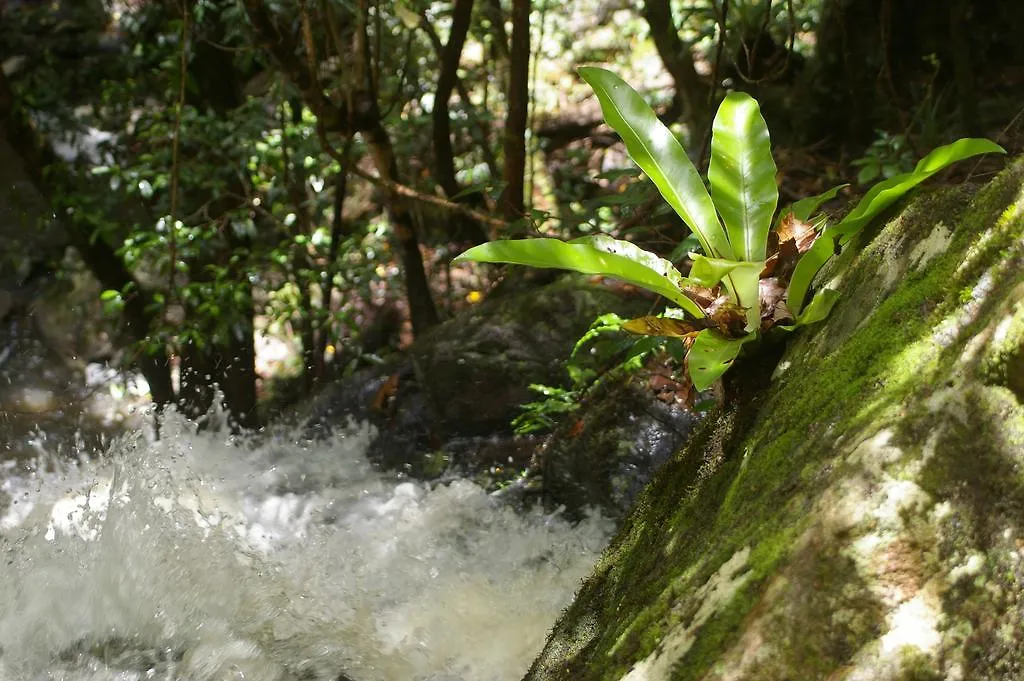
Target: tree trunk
(464, 228)
(232, 362)
(364, 117)
(512, 205)
(422, 311)
(443, 155)
(237, 367)
(691, 98)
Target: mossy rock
(603, 454)
(477, 368)
(856, 510)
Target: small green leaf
(711, 356)
(604, 323)
(709, 271)
(817, 310)
(742, 174)
(591, 255)
(688, 244)
(654, 148)
(819, 307)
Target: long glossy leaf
(711, 355)
(742, 174)
(884, 194)
(628, 249)
(806, 268)
(880, 197)
(654, 148)
(652, 273)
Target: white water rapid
(194, 558)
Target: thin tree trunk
(422, 311)
(327, 286)
(450, 56)
(512, 205)
(691, 90)
(444, 157)
(237, 367)
(480, 133)
(364, 117)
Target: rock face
(604, 454)
(856, 510)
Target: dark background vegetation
(304, 170)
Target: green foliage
(755, 270)
(887, 156)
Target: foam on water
(193, 558)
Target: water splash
(195, 558)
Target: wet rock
(608, 450)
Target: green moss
(1004, 363)
(916, 666)
(753, 473)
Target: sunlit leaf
(591, 255)
(654, 148)
(880, 197)
(408, 16)
(711, 355)
(709, 271)
(742, 175)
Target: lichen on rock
(872, 482)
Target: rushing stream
(196, 558)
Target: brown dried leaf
(662, 326)
(773, 308)
(702, 295)
(798, 231)
(794, 237)
(730, 320)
